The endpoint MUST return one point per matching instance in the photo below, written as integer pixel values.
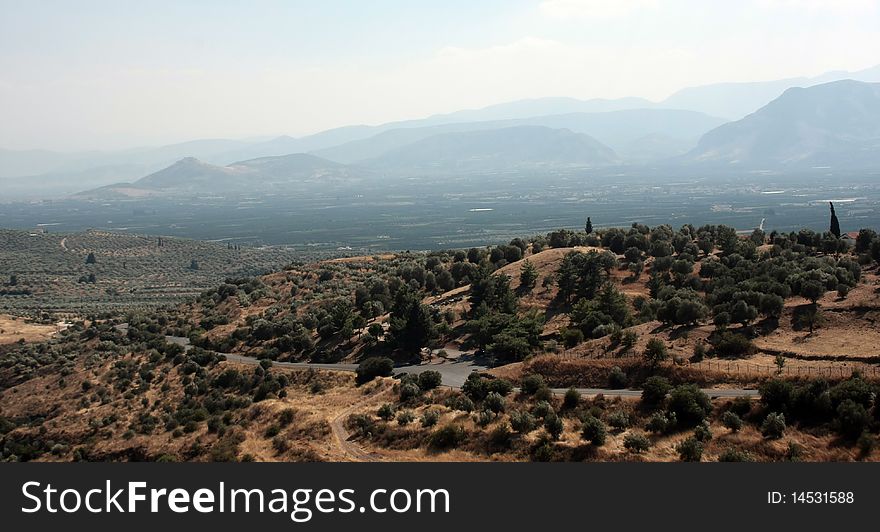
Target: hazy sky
(115, 73)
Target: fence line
(801, 369)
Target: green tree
(835, 224)
(655, 352)
(589, 226)
(528, 275)
(594, 431)
(373, 367)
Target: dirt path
(350, 449)
(64, 243)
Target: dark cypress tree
(835, 225)
(589, 227)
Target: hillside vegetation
(659, 310)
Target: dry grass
(13, 329)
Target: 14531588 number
(822, 497)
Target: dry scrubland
(656, 309)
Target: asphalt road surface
(455, 373)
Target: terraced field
(44, 273)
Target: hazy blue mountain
(521, 147)
(533, 107)
(255, 175)
(616, 129)
(735, 100)
(835, 124)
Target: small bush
(690, 404)
(773, 426)
(594, 431)
(542, 409)
(494, 402)
(690, 450)
(374, 367)
(460, 402)
(405, 417)
(618, 420)
(617, 379)
(430, 418)
(703, 432)
(522, 422)
(658, 423)
(386, 412)
(428, 380)
(732, 421)
(654, 390)
(636, 443)
(734, 345)
(852, 419)
(543, 394)
(499, 437)
(409, 390)
(446, 437)
(554, 426)
(734, 455)
(572, 399)
(530, 384)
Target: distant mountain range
(835, 124)
(635, 130)
(520, 147)
(617, 129)
(264, 174)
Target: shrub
(386, 412)
(866, 443)
(500, 436)
(554, 426)
(734, 345)
(522, 422)
(689, 404)
(531, 384)
(636, 443)
(617, 379)
(773, 426)
(776, 395)
(654, 390)
(658, 423)
(494, 402)
(409, 390)
(572, 337)
(475, 387)
(430, 418)
(655, 351)
(852, 419)
(374, 367)
(732, 421)
(542, 409)
(460, 402)
(428, 380)
(405, 417)
(571, 399)
(690, 450)
(594, 431)
(703, 432)
(502, 387)
(446, 437)
(734, 455)
(543, 394)
(618, 420)
(485, 417)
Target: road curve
(455, 373)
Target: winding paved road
(455, 373)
